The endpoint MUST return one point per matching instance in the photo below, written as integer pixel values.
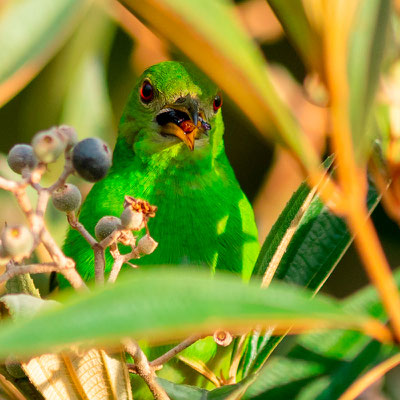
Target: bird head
(175, 110)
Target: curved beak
(188, 105)
(181, 119)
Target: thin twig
(115, 270)
(75, 224)
(42, 202)
(110, 239)
(68, 170)
(15, 270)
(144, 370)
(376, 265)
(75, 280)
(236, 359)
(66, 265)
(8, 185)
(370, 378)
(174, 351)
(61, 264)
(119, 261)
(99, 263)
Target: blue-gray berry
(67, 198)
(91, 158)
(106, 226)
(21, 156)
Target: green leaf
(366, 51)
(31, 31)
(165, 305)
(283, 377)
(212, 36)
(22, 284)
(293, 19)
(323, 365)
(345, 374)
(182, 392)
(319, 242)
(279, 229)
(87, 107)
(23, 306)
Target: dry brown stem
(174, 351)
(35, 218)
(144, 370)
(372, 376)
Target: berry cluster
(90, 159)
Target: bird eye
(146, 92)
(217, 103)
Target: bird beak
(181, 119)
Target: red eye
(146, 92)
(217, 102)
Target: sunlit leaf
(210, 34)
(292, 16)
(167, 305)
(87, 107)
(308, 258)
(323, 365)
(366, 52)
(30, 33)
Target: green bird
(170, 152)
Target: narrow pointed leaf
(294, 21)
(87, 107)
(319, 242)
(162, 305)
(323, 365)
(366, 52)
(182, 392)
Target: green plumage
(203, 216)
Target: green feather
(203, 216)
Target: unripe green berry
(132, 220)
(17, 240)
(67, 198)
(48, 146)
(68, 135)
(106, 226)
(146, 245)
(21, 156)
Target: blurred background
(75, 62)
